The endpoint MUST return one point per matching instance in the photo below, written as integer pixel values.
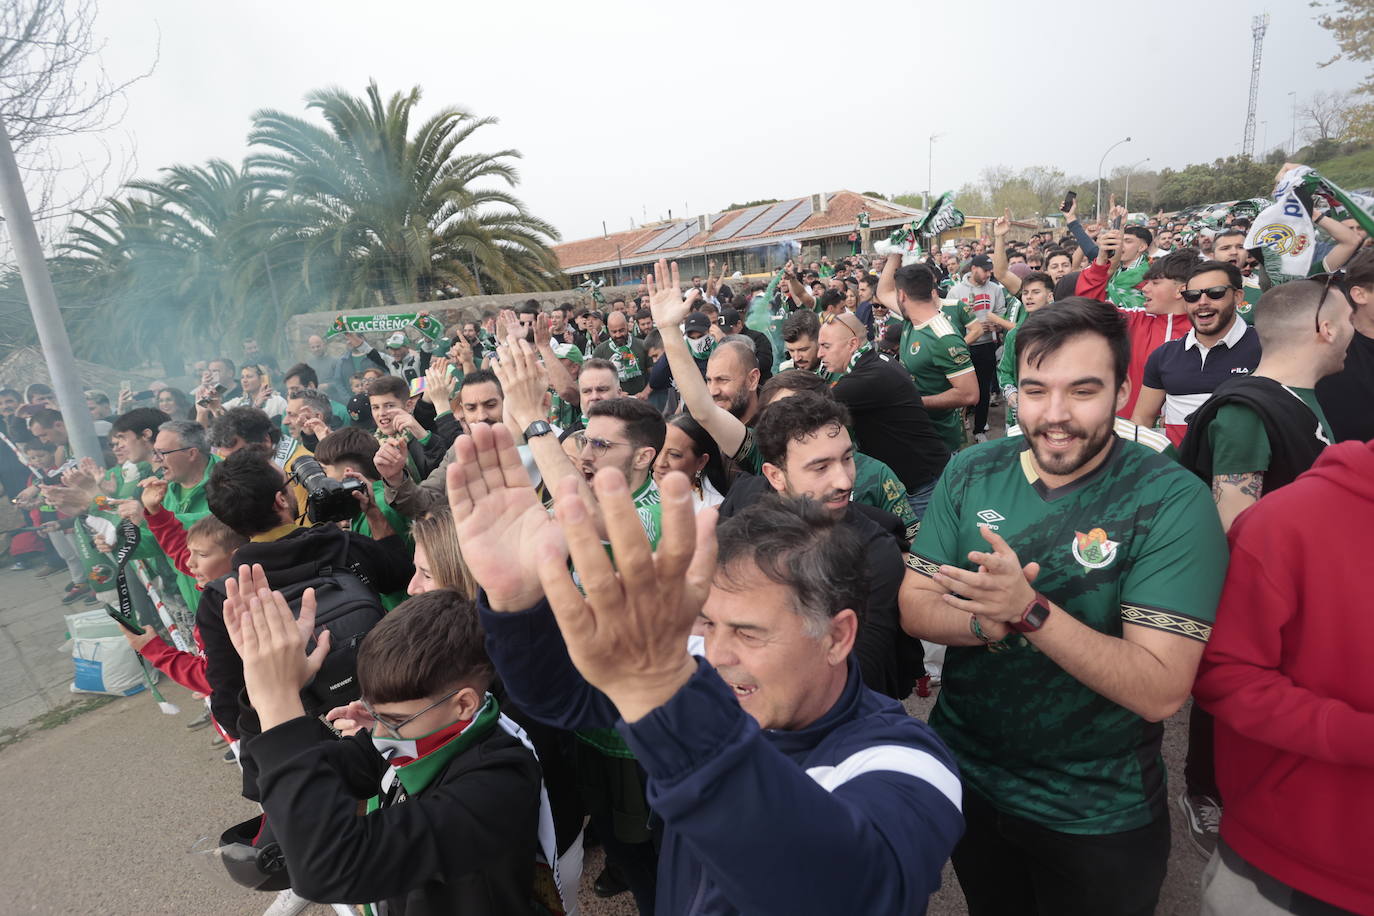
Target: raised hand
(523, 381)
(271, 641)
(1002, 225)
(628, 634)
(154, 492)
(665, 295)
(131, 510)
(390, 462)
(499, 520)
(438, 387)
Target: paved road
(102, 810)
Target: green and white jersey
(650, 509)
(877, 485)
(1136, 541)
(934, 353)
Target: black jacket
(878, 646)
(465, 844)
(1292, 428)
(889, 421)
(430, 454)
(387, 565)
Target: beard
(1086, 445)
(738, 404)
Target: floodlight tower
(1258, 26)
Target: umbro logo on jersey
(990, 517)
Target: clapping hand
(1000, 589)
(523, 381)
(499, 520)
(271, 641)
(628, 634)
(1002, 225)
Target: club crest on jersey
(1093, 550)
(914, 347)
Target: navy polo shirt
(1188, 372)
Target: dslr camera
(327, 500)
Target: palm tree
(377, 216)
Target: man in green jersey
(932, 350)
(1075, 577)
(1037, 291)
(182, 450)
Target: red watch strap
(1025, 624)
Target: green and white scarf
(858, 354)
(1121, 288)
(626, 363)
(381, 324)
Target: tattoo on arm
(1248, 485)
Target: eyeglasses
(598, 446)
(395, 729)
(1337, 279)
(1215, 293)
(171, 451)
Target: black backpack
(346, 605)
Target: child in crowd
(455, 822)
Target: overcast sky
(626, 108)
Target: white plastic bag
(106, 665)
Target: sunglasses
(1215, 293)
(598, 446)
(1337, 279)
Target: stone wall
(449, 311)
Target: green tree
(1351, 23)
(402, 217)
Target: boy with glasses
(456, 821)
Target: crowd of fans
(659, 576)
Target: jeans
(919, 499)
(985, 368)
(1009, 865)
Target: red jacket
(1289, 676)
(1147, 331)
(186, 669)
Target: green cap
(568, 351)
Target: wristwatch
(537, 428)
(1035, 615)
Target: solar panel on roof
(764, 220)
(737, 223)
(657, 240)
(793, 219)
(685, 232)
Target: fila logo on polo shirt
(1240, 370)
(989, 516)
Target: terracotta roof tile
(843, 209)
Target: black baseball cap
(981, 260)
(696, 322)
(728, 317)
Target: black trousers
(1200, 768)
(1008, 866)
(985, 368)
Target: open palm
(665, 295)
(498, 518)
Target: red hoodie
(1146, 330)
(1289, 676)
(185, 668)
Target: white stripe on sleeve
(892, 758)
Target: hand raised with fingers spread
(628, 634)
(499, 519)
(665, 295)
(523, 381)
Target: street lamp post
(1098, 212)
(1293, 137)
(930, 168)
(1127, 202)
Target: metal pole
(930, 170)
(1097, 214)
(52, 333)
(1293, 137)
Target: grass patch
(53, 718)
(1353, 171)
